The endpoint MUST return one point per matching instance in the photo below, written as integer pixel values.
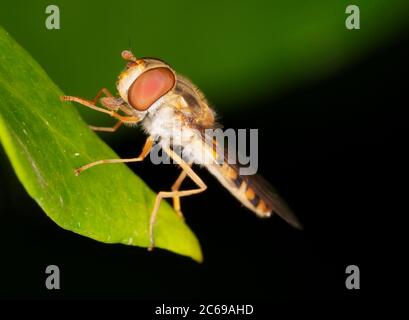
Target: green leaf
(46, 139)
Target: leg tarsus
(107, 129)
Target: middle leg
(145, 151)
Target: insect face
(144, 81)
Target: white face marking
(127, 79)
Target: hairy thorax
(167, 127)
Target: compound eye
(149, 87)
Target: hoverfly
(152, 94)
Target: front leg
(100, 93)
(91, 105)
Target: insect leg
(107, 129)
(90, 104)
(100, 93)
(175, 187)
(145, 151)
(171, 194)
(110, 104)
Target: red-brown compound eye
(149, 87)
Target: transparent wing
(253, 191)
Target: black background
(332, 147)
